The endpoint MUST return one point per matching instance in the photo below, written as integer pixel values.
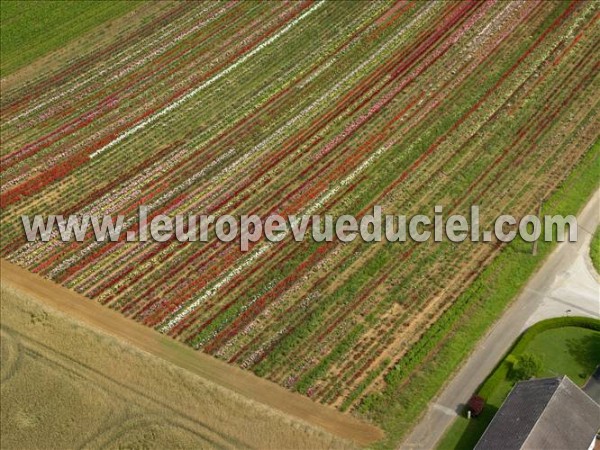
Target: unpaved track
(540, 299)
(245, 383)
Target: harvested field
(68, 385)
(301, 108)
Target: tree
(527, 366)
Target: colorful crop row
(301, 107)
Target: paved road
(565, 284)
(592, 387)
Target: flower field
(300, 108)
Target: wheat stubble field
(296, 108)
(68, 384)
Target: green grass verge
(566, 346)
(30, 29)
(595, 250)
(429, 364)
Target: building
(548, 413)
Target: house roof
(548, 413)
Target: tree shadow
(585, 351)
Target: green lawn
(570, 350)
(30, 29)
(595, 250)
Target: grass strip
(595, 250)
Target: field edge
(105, 320)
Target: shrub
(475, 405)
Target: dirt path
(563, 283)
(148, 340)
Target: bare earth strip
(241, 382)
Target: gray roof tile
(549, 413)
